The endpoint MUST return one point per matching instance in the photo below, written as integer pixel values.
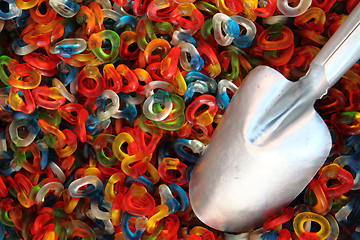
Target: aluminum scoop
(271, 142)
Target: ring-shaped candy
(145, 31)
(147, 126)
(223, 8)
(125, 24)
(56, 187)
(201, 232)
(150, 187)
(99, 145)
(172, 125)
(127, 39)
(160, 10)
(63, 91)
(171, 227)
(273, 222)
(69, 46)
(244, 40)
(212, 66)
(32, 129)
(334, 234)
(352, 163)
(195, 145)
(334, 171)
(288, 11)
(222, 98)
(41, 61)
(266, 11)
(26, 4)
(178, 37)
(146, 142)
(287, 38)
(128, 112)
(279, 57)
(154, 44)
(40, 17)
(347, 216)
(115, 179)
(67, 73)
(21, 158)
(206, 7)
(229, 59)
(96, 40)
(172, 164)
(23, 187)
(99, 214)
(200, 87)
(137, 201)
(223, 23)
(196, 63)
(120, 139)
(14, 11)
(301, 218)
(153, 236)
(205, 118)
(46, 128)
(79, 228)
(86, 17)
(193, 76)
(48, 98)
(6, 205)
(165, 100)
(21, 48)
(151, 86)
(167, 197)
(58, 172)
(347, 122)
(74, 187)
(324, 5)
(104, 110)
(139, 226)
(169, 64)
(99, 16)
(177, 16)
(86, 87)
(129, 77)
(177, 111)
(112, 78)
(315, 13)
(135, 165)
(65, 8)
(31, 77)
(9, 63)
(322, 202)
(161, 212)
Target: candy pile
(106, 106)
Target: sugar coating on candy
(106, 105)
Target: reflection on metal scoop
(271, 142)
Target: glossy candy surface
(106, 106)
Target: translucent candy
(196, 63)
(32, 128)
(105, 111)
(231, 28)
(288, 11)
(13, 12)
(67, 47)
(74, 187)
(65, 8)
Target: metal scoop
(271, 142)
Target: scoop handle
(342, 50)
